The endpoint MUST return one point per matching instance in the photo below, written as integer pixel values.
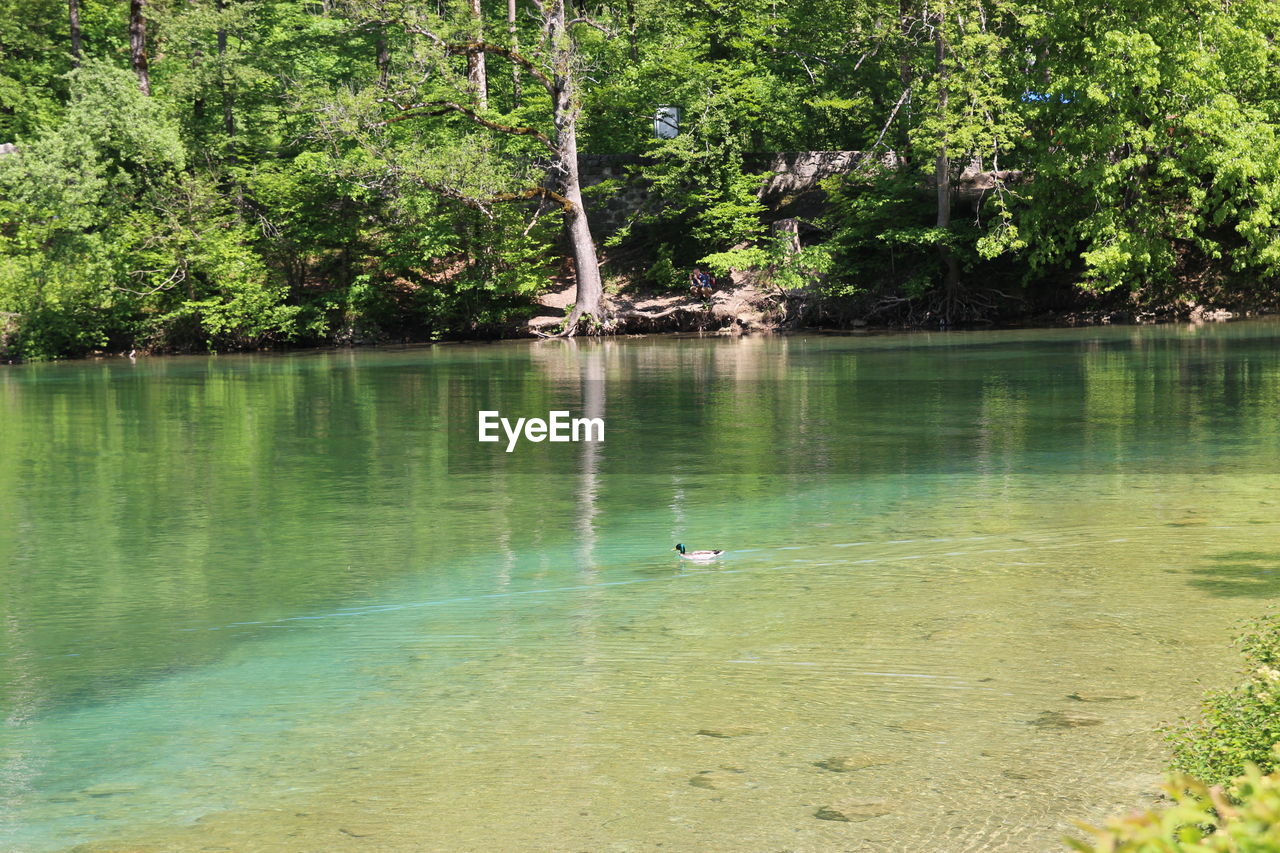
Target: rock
(853, 811)
(108, 789)
(849, 763)
(1084, 696)
(1203, 313)
(719, 780)
(732, 731)
(1062, 720)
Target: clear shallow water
(288, 603)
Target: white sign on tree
(666, 122)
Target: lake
(289, 602)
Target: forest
(205, 175)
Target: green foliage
(1239, 725)
(785, 266)
(1155, 138)
(664, 274)
(265, 194)
(883, 237)
(699, 179)
(114, 240)
(1199, 820)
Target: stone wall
(788, 174)
(610, 209)
(798, 171)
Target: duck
(697, 555)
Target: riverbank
(746, 303)
(749, 303)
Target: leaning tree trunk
(590, 290)
(587, 308)
(138, 44)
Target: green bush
(1201, 819)
(1240, 725)
(664, 274)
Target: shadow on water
(1240, 574)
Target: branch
(593, 24)
(176, 277)
(892, 115)
(482, 204)
(425, 108)
(463, 48)
(467, 47)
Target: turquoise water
(290, 603)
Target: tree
(477, 76)
(554, 61)
(1154, 144)
(953, 65)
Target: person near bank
(701, 283)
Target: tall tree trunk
(475, 61)
(942, 172)
(138, 44)
(228, 97)
(513, 36)
(73, 16)
(383, 58)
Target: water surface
(287, 603)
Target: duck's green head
(679, 548)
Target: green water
(288, 603)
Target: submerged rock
(732, 731)
(718, 780)
(853, 811)
(1062, 720)
(849, 763)
(1085, 696)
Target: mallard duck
(697, 555)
